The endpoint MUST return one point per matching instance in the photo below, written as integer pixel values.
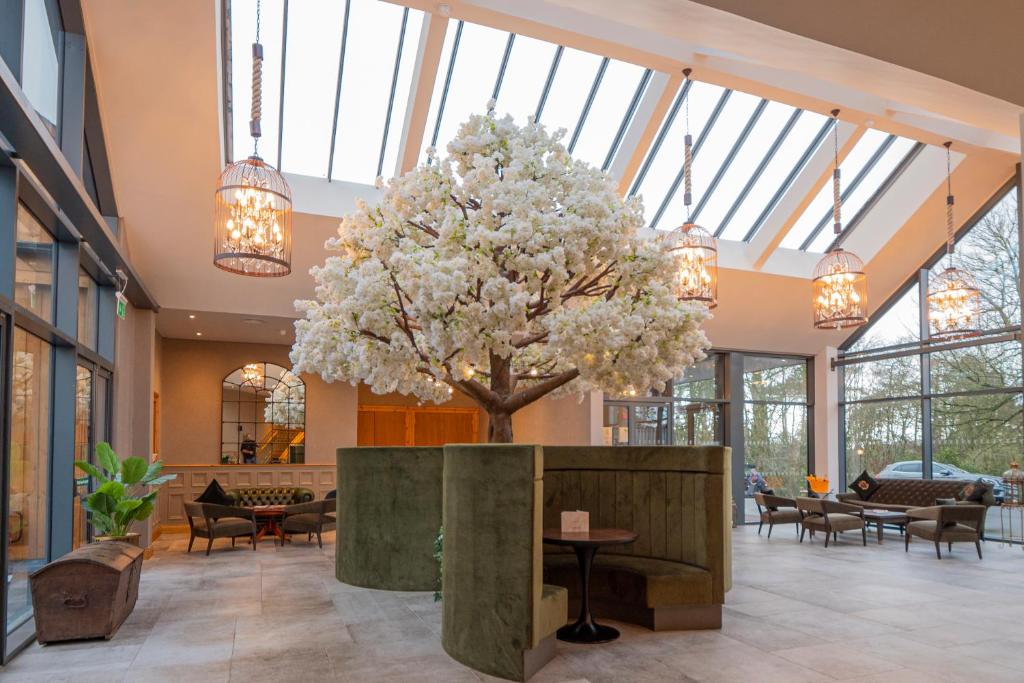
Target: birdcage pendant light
(694, 250)
(253, 202)
(839, 285)
(954, 300)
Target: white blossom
(506, 250)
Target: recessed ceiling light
(252, 321)
(191, 316)
(283, 332)
(199, 334)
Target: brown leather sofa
(901, 495)
(270, 495)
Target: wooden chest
(87, 593)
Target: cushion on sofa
(974, 492)
(864, 486)
(642, 580)
(214, 493)
(554, 610)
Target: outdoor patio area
(797, 612)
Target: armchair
(776, 510)
(210, 521)
(831, 517)
(949, 523)
(309, 518)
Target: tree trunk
(499, 427)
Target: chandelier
(252, 374)
(694, 250)
(839, 287)
(954, 301)
(253, 203)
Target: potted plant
(114, 505)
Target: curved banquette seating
(497, 615)
(676, 574)
(388, 516)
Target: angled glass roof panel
(859, 196)
(525, 74)
(800, 141)
(473, 75)
(856, 161)
(372, 38)
(712, 153)
(610, 107)
(403, 84)
(569, 90)
(768, 127)
(311, 80)
(243, 34)
(663, 167)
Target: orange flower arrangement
(817, 485)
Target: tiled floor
(796, 613)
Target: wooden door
(416, 426)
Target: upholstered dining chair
(830, 516)
(776, 510)
(947, 524)
(310, 518)
(210, 521)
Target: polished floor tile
(796, 613)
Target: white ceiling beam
(650, 114)
(428, 58)
(799, 195)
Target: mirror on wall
(263, 416)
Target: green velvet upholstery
(677, 498)
(497, 616)
(270, 495)
(389, 513)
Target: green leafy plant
(114, 505)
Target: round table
(269, 517)
(586, 543)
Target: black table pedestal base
(587, 632)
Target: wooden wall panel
(393, 425)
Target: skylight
(344, 123)
(746, 152)
(591, 97)
(863, 172)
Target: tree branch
(529, 395)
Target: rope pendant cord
(687, 156)
(837, 223)
(950, 232)
(256, 110)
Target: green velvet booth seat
(270, 495)
(676, 498)
(497, 615)
(388, 515)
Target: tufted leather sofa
(270, 495)
(903, 494)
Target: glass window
(667, 161)
(875, 155)
(373, 41)
(799, 143)
(263, 416)
(775, 423)
(990, 251)
(620, 85)
(88, 306)
(697, 424)
(40, 60)
(83, 451)
(992, 366)
(525, 75)
(768, 378)
(569, 89)
(699, 381)
(880, 434)
(900, 324)
(28, 471)
(977, 435)
(33, 279)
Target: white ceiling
(157, 73)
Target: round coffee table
(586, 543)
(269, 518)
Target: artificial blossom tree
(507, 271)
